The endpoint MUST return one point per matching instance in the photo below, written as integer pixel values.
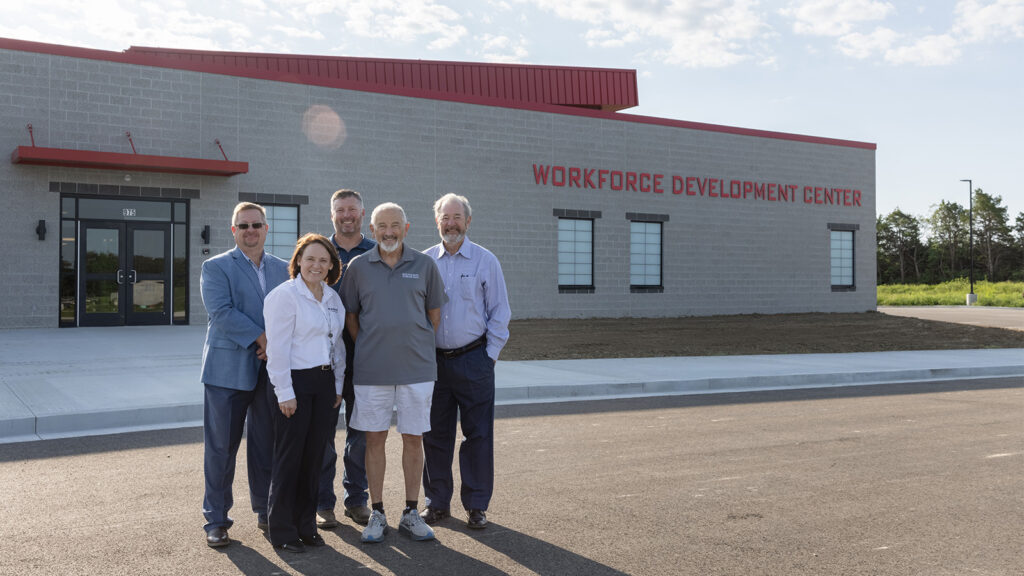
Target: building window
(645, 257)
(283, 221)
(841, 259)
(575, 254)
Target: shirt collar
(263, 259)
(466, 250)
(374, 253)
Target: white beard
(453, 237)
(392, 246)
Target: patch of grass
(952, 293)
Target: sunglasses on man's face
(245, 225)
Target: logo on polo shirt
(408, 275)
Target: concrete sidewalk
(59, 382)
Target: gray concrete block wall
(721, 256)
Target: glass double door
(125, 274)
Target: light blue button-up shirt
(477, 298)
(260, 271)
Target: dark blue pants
(298, 455)
(464, 387)
(354, 475)
(225, 413)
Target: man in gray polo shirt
(393, 299)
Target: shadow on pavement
(539, 556)
(752, 397)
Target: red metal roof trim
(117, 161)
(545, 92)
(600, 88)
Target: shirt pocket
(468, 287)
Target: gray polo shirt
(395, 344)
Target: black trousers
(299, 444)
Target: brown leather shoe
(325, 519)
(477, 519)
(359, 514)
(217, 537)
(432, 515)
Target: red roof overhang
(39, 156)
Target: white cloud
(997, 20)
(861, 46)
(502, 48)
(292, 32)
(935, 50)
(834, 17)
(711, 33)
(393, 20)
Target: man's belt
(454, 352)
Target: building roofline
(143, 56)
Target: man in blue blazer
(233, 285)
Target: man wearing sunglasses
(234, 376)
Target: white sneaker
(413, 525)
(376, 528)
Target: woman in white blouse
(306, 362)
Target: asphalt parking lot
(897, 479)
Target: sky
(938, 85)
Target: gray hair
(448, 198)
(388, 206)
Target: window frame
(648, 219)
(268, 206)
(852, 229)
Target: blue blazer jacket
(234, 303)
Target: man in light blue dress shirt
(469, 338)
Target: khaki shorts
(375, 404)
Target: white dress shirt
(303, 333)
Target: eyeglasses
(245, 225)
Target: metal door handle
(132, 276)
(120, 276)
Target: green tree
(1018, 232)
(992, 231)
(899, 237)
(948, 232)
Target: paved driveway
(1011, 318)
(892, 480)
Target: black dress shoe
(217, 537)
(433, 515)
(294, 546)
(477, 519)
(262, 523)
(314, 540)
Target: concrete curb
(183, 415)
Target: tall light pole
(971, 298)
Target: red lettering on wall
(588, 173)
(645, 187)
(574, 177)
(614, 174)
(631, 181)
(619, 180)
(540, 173)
